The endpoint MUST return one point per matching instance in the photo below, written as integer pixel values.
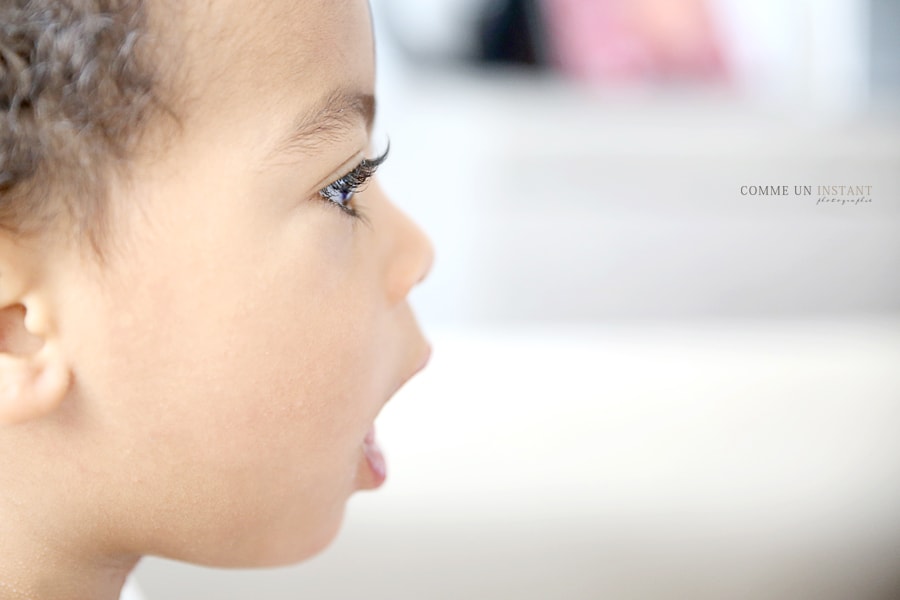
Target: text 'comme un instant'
(827, 194)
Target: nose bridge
(411, 256)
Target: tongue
(373, 453)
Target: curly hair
(74, 98)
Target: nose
(411, 259)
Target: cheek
(229, 371)
(260, 347)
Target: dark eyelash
(357, 178)
(364, 170)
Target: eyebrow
(328, 121)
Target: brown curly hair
(74, 98)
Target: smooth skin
(204, 392)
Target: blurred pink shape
(634, 40)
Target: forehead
(247, 56)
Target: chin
(281, 547)
(284, 550)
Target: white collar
(131, 591)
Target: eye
(341, 191)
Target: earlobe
(32, 386)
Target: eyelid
(346, 167)
(363, 170)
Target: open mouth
(377, 466)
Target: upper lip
(422, 364)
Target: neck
(46, 563)
(38, 574)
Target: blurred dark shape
(512, 32)
(885, 47)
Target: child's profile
(203, 294)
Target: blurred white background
(644, 383)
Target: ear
(34, 372)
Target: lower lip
(374, 457)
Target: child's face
(231, 357)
